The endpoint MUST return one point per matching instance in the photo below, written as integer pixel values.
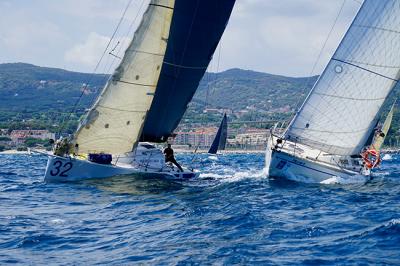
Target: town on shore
(187, 139)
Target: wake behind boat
(146, 97)
(329, 135)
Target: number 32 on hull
(63, 169)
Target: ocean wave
(351, 180)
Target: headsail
(341, 110)
(114, 123)
(379, 138)
(220, 138)
(196, 28)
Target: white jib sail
(341, 110)
(114, 123)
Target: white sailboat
(145, 98)
(328, 135)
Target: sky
(282, 37)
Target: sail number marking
(60, 169)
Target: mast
(340, 111)
(114, 123)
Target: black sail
(219, 142)
(196, 28)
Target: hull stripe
(305, 166)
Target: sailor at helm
(169, 157)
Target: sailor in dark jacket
(169, 157)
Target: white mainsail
(114, 123)
(341, 110)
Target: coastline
(11, 152)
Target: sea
(232, 214)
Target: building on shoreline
(202, 138)
(197, 137)
(18, 137)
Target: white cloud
(282, 37)
(89, 52)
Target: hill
(33, 96)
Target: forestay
(114, 123)
(341, 110)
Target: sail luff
(114, 123)
(339, 113)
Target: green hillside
(40, 97)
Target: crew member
(169, 157)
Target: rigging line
(320, 54)
(107, 69)
(96, 67)
(365, 69)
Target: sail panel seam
(377, 28)
(182, 66)
(121, 110)
(334, 132)
(158, 5)
(365, 69)
(133, 83)
(144, 52)
(369, 64)
(349, 98)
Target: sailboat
(380, 134)
(147, 95)
(329, 133)
(219, 141)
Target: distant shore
(23, 152)
(389, 150)
(176, 150)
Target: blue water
(232, 214)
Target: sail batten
(354, 85)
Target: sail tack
(219, 142)
(197, 26)
(342, 108)
(114, 123)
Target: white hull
(146, 160)
(64, 169)
(283, 164)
